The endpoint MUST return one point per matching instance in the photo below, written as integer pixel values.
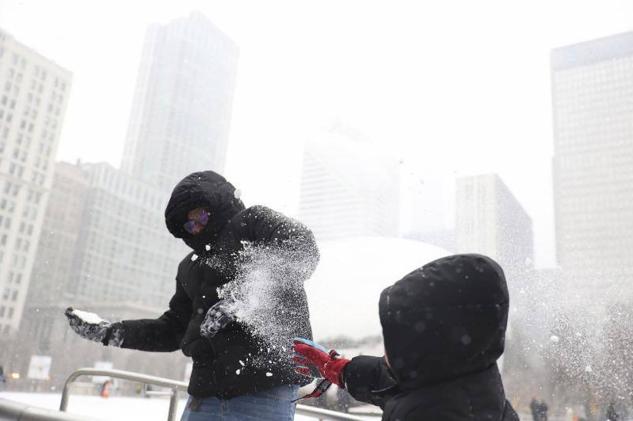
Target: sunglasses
(198, 219)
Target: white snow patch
(88, 317)
(114, 408)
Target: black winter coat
(218, 363)
(444, 328)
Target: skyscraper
(104, 248)
(491, 221)
(592, 91)
(349, 187)
(182, 104)
(33, 96)
(57, 247)
(124, 252)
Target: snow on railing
(14, 411)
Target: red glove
(309, 356)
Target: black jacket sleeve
(267, 227)
(163, 334)
(368, 380)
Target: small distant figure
(612, 414)
(3, 379)
(543, 411)
(539, 410)
(105, 389)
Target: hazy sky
(455, 87)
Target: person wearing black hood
(443, 329)
(229, 379)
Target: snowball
(194, 257)
(554, 339)
(269, 374)
(88, 317)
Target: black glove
(92, 327)
(217, 318)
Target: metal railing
(176, 386)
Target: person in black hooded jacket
(443, 328)
(232, 365)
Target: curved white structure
(344, 291)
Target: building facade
(348, 188)
(124, 252)
(57, 245)
(104, 248)
(33, 97)
(182, 105)
(491, 221)
(592, 87)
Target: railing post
(173, 405)
(63, 406)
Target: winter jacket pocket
(194, 345)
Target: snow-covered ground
(111, 409)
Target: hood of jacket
(445, 320)
(204, 189)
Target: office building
(349, 187)
(592, 87)
(491, 221)
(181, 112)
(33, 96)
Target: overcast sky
(454, 87)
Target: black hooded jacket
(443, 328)
(234, 362)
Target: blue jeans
(269, 405)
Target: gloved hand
(217, 318)
(310, 356)
(91, 326)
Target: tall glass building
(349, 187)
(592, 101)
(182, 105)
